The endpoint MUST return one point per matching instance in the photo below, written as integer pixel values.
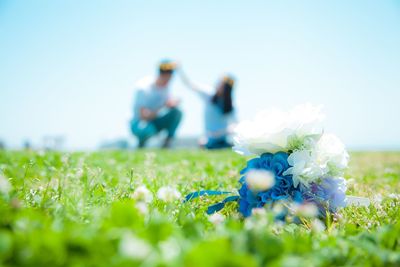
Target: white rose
(275, 130)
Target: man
(154, 109)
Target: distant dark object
(27, 145)
(53, 142)
(217, 143)
(2, 145)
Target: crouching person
(154, 108)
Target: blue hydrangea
(282, 190)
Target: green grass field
(77, 210)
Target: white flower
(317, 226)
(394, 196)
(170, 249)
(65, 159)
(327, 157)
(79, 172)
(142, 207)
(279, 207)
(305, 168)
(168, 194)
(377, 199)
(332, 154)
(307, 210)
(142, 194)
(260, 180)
(275, 130)
(134, 247)
(357, 201)
(216, 218)
(258, 212)
(5, 186)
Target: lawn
(79, 209)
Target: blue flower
(244, 201)
(330, 193)
(283, 188)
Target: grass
(77, 210)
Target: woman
(219, 113)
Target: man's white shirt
(149, 96)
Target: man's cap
(167, 65)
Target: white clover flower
(394, 196)
(279, 207)
(65, 159)
(260, 180)
(168, 194)
(326, 157)
(377, 199)
(5, 185)
(258, 220)
(170, 249)
(275, 130)
(216, 218)
(133, 247)
(317, 226)
(260, 212)
(357, 201)
(142, 207)
(79, 172)
(142, 194)
(307, 210)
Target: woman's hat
(228, 80)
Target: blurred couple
(155, 110)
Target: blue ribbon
(217, 206)
(220, 205)
(205, 192)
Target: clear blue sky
(68, 67)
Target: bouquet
(294, 161)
